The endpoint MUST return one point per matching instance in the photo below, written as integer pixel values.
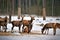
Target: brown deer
(17, 24)
(51, 25)
(3, 23)
(28, 24)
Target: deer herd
(27, 25)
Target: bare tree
(22, 6)
(9, 11)
(52, 7)
(29, 6)
(19, 9)
(44, 9)
(26, 5)
(13, 7)
(7, 6)
(0, 7)
(38, 6)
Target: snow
(27, 18)
(36, 27)
(36, 23)
(15, 18)
(31, 37)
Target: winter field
(35, 32)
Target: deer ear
(32, 17)
(23, 16)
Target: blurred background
(35, 7)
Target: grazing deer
(51, 25)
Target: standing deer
(16, 23)
(27, 24)
(3, 23)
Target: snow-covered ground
(30, 37)
(36, 23)
(36, 28)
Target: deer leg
(12, 29)
(5, 28)
(19, 29)
(23, 28)
(0, 28)
(54, 31)
(29, 28)
(47, 31)
(43, 29)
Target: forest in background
(30, 7)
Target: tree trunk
(29, 6)
(38, 7)
(7, 6)
(25, 6)
(19, 9)
(9, 11)
(12, 7)
(44, 9)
